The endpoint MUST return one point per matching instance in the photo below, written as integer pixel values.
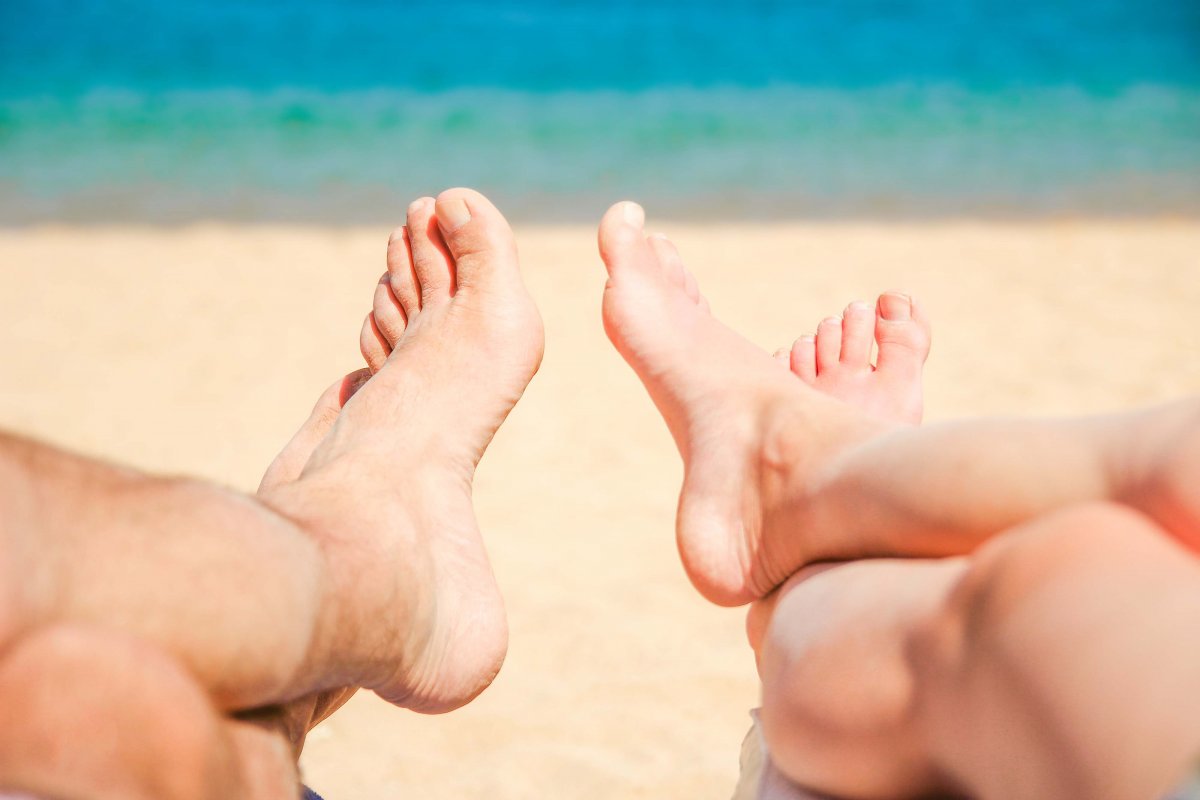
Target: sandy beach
(199, 349)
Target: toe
(478, 238)
(691, 287)
(670, 262)
(902, 331)
(389, 316)
(432, 262)
(673, 268)
(858, 324)
(623, 246)
(804, 358)
(374, 347)
(401, 274)
(783, 357)
(829, 344)
(349, 386)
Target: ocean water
(342, 111)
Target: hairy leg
(1053, 663)
(295, 718)
(98, 715)
(158, 734)
(225, 585)
(366, 568)
(389, 488)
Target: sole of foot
(750, 434)
(451, 342)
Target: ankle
(371, 584)
(801, 432)
(804, 458)
(1160, 478)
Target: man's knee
(97, 709)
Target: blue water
(341, 111)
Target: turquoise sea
(342, 111)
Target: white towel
(759, 780)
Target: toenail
(633, 214)
(861, 307)
(416, 205)
(898, 310)
(453, 214)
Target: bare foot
(837, 360)
(748, 431)
(291, 461)
(296, 718)
(854, 647)
(388, 490)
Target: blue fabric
(309, 794)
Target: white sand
(200, 349)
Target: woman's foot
(387, 491)
(837, 360)
(752, 437)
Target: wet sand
(199, 349)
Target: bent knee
(70, 685)
(1047, 630)
(1089, 537)
(1081, 556)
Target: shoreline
(326, 211)
(1032, 221)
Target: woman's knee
(1034, 640)
(1079, 544)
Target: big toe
(478, 237)
(623, 245)
(902, 332)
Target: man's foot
(291, 461)
(749, 432)
(388, 490)
(298, 717)
(837, 360)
